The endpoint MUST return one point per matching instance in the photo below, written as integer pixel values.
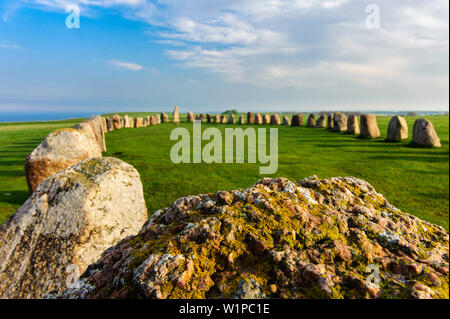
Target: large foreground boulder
(333, 238)
(424, 134)
(369, 126)
(66, 224)
(397, 129)
(59, 150)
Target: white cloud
(126, 65)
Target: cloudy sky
(211, 55)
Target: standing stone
(208, 118)
(109, 124)
(424, 133)
(164, 118)
(258, 119)
(266, 119)
(231, 118)
(311, 122)
(286, 121)
(190, 117)
(202, 117)
(176, 115)
(340, 122)
(352, 125)
(93, 127)
(66, 224)
(153, 120)
(275, 119)
(138, 122)
(297, 120)
(217, 119)
(158, 119)
(397, 129)
(330, 121)
(126, 121)
(59, 150)
(223, 119)
(321, 122)
(241, 119)
(105, 128)
(250, 118)
(369, 126)
(117, 122)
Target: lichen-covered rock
(321, 122)
(66, 224)
(297, 120)
(339, 122)
(176, 115)
(352, 125)
(258, 119)
(59, 150)
(164, 118)
(311, 122)
(424, 134)
(250, 118)
(312, 239)
(117, 122)
(369, 126)
(397, 129)
(330, 121)
(275, 119)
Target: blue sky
(206, 55)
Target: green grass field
(413, 179)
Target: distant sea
(47, 116)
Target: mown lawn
(413, 179)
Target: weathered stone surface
(369, 126)
(158, 119)
(352, 125)
(70, 219)
(109, 124)
(297, 120)
(223, 119)
(164, 118)
(59, 150)
(258, 119)
(330, 121)
(117, 122)
(231, 119)
(176, 115)
(153, 120)
(241, 119)
(250, 118)
(126, 121)
(321, 122)
(311, 122)
(397, 129)
(266, 119)
(139, 122)
(277, 239)
(86, 129)
(275, 119)
(217, 119)
(96, 123)
(424, 133)
(339, 122)
(286, 121)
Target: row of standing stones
(82, 205)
